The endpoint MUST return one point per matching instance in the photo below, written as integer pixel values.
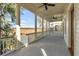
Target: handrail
(31, 33)
(5, 37)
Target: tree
(1, 16)
(6, 8)
(10, 8)
(5, 26)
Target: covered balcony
(46, 37)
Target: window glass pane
(51, 24)
(47, 25)
(39, 24)
(44, 25)
(27, 21)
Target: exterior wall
(76, 31)
(67, 27)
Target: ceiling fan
(46, 5)
(54, 17)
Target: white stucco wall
(67, 27)
(76, 18)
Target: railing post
(3, 46)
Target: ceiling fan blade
(41, 6)
(45, 3)
(51, 4)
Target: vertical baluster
(28, 38)
(10, 45)
(27, 41)
(3, 46)
(17, 44)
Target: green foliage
(5, 28)
(5, 25)
(10, 8)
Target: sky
(27, 19)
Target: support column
(42, 25)
(35, 26)
(46, 25)
(49, 24)
(18, 36)
(0, 28)
(17, 14)
(49, 27)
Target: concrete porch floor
(53, 45)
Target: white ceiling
(57, 10)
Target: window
(48, 25)
(39, 24)
(27, 21)
(44, 25)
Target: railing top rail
(31, 33)
(6, 39)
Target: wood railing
(11, 44)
